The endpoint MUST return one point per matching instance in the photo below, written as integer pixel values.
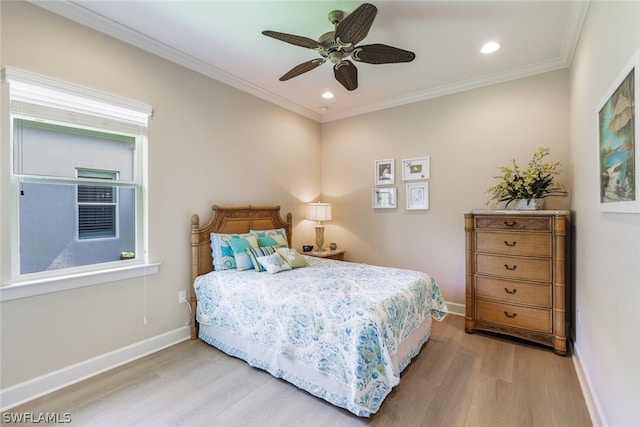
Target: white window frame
(36, 96)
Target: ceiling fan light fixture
(490, 47)
(327, 95)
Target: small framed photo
(618, 135)
(384, 198)
(417, 168)
(418, 196)
(385, 172)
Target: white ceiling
(223, 40)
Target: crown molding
(75, 12)
(462, 86)
(575, 20)
(83, 16)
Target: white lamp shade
(319, 212)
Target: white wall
(467, 136)
(208, 143)
(607, 245)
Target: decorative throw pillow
(292, 257)
(255, 253)
(239, 246)
(267, 241)
(273, 263)
(223, 258)
(278, 234)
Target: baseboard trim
(457, 309)
(32, 389)
(48, 383)
(590, 398)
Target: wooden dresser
(516, 265)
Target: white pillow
(273, 263)
(281, 241)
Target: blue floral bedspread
(343, 319)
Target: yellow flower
(537, 181)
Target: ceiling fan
(340, 44)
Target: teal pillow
(255, 253)
(239, 246)
(278, 234)
(223, 258)
(267, 241)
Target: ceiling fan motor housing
(331, 49)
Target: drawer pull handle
(510, 292)
(512, 244)
(510, 315)
(510, 223)
(510, 268)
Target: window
(97, 206)
(78, 158)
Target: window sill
(50, 285)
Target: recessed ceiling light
(327, 95)
(490, 47)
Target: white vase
(531, 205)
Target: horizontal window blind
(96, 206)
(95, 194)
(96, 221)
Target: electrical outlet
(578, 316)
(182, 297)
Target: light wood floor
(457, 380)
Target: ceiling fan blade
(347, 74)
(381, 54)
(302, 68)
(292, 39)
(355, 27)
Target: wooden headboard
(227, 219)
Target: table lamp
(319, 212)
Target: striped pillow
(254, 253)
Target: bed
(341, 331)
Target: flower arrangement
(535, 182)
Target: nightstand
(337, 254)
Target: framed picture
(417, 168)
(418, 196)
(618, 154)
(385, 172)
(384, 198)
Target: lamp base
(320, 238)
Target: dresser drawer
(510, 291)
(535, 269)
(514, 243)
(535, 319)
(521, 223)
